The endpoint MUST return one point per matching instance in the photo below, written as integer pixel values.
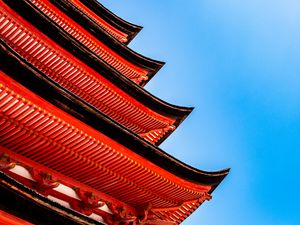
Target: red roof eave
(37, 130)
(11, 109)
(80, 79)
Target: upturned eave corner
(129, 28)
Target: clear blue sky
(238, 63)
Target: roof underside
(32, 79)
(36, 130)
(45, 10)
(68, 113)
(97, 10)
(154, 123)
(150, 65)
(35, 208)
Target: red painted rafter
(38, 131)
(80, 79)
(133, 72)
(121, 36)
(36, 179)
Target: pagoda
(79, 134)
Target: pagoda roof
(33, 79)
(34, 131)
(151, 117)
(145, 63)
(131, 30)
(75, 131)
(129, 67)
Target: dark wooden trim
(28, 205)
(48, 27)
(25, 74)
(130, 29)
(32, 14)
(70, 10)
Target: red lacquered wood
(121, 36)
(128, 69)
(63, 144)
(80, 79)
(9, 219)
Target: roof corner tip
(159, 65)
(191, 109)
(221, 174)
(225, 171)
(139, 28)
(188, 110)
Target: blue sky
(237, 63)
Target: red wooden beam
(128, 69)
(121, 36)
(80, 79)
(37, 130)
(9, 219)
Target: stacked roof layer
(78, 132)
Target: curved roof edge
(129, 28)
(34, 207)
(153, 66)
(32, 79)
(89, 58)
(176, 124)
